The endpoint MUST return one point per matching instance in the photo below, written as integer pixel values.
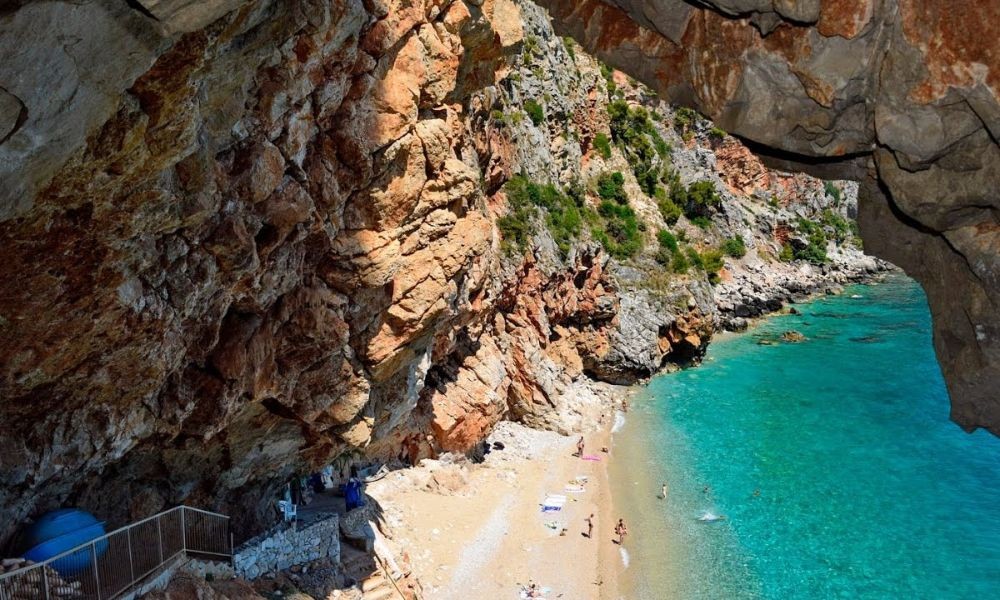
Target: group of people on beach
(620, 529)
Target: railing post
(97, 575)
(45, 581)
(159, 537)
(131, 563)
(184, 543)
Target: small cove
(833, 460)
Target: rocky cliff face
(234, 245)
(902, 95)
(242, 240)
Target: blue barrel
(62, 530)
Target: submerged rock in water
(793, 336)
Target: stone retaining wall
(286, 547)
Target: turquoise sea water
(864, 488)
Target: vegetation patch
(563, 214)
(735, 247)
(618, 229)
(668, 209)
(815, 250)
(685, 117)
(633, 131)
(611, 186)
(535, 111)
(832, 191)
(842, 228)
(603, 145)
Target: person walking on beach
(590, 526)
(663, 491)
(579, 447)
(621, 531)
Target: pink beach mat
(592, 457)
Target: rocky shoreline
(758, 290)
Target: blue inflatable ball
(62, 530)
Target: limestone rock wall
(903, 95)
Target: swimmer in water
(710, 517)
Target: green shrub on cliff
(679, 263)
(815, 250)
(633, 131)
(620, 230)
(841, 227)
(735, 247)
(701, 222)
(517, 226)
(535, 111)
(669, 248)
(667, 240)
(702, 199)
(685, 117)
(787, 253)
(603, 145)
(570, 45)
(668, 210)
(563, 218)
(832, 191)
(611, 186)
(712, 263)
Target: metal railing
(104, 568)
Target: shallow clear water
(833, 460)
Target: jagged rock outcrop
(903, 95)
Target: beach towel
(592, 457)
(574, 489)
(553, 502)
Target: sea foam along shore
(478, 530)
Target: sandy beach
(478, 530)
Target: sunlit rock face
(234, 235)
(901, 94)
